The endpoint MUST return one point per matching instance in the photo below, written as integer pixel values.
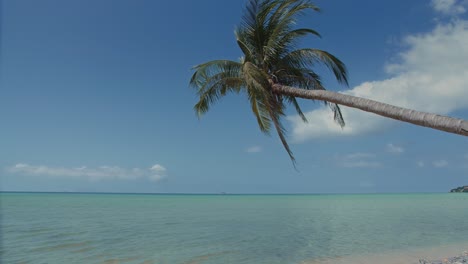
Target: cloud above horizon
(440, 164)
(254, 149)
(358, 160)
(420, 164)
(392, 148)
(431, 75)
(156, 173)
(449, 7)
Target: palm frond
(300, 32)
(290, 39)
(281, 131)
(268, 38)
(337, 115)
(280, 36)
(248, 52)
(284, 17)
(255, 77)
(296, 105)
(310, 57)
(206, 70)
(213, 80)
(215, 91)
(299, 77)
(260, 110)
(251, 30)
(287, 11)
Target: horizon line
(212, 193)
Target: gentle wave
(241, 229)
(63, 246)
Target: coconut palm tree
(273, 72)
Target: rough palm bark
(444, 123)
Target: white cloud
(158, 169)
(254, 149)
(155, 173)
(358, 160)
(157, 177)
(431, 76)
(158, 173)
(420, 164)
(359, 155)
(394, 148)
(440, 163)
(449, 7)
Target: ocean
(242, 229)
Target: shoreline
(450, 254)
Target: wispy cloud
(359, 155)
(254, 149)
(358, 160)
(430, 75)
(440, 163)
(420, 164)
(449, 7)
(155, 173)
(394, 148)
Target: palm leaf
(215, 91)
(260, 111)
(337, 115)
(281, 131)
(267, 37)
(310, 57)
(296, 105)
(213, 80)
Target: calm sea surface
(199, 229)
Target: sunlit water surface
(207, 229)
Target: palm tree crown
(268, 40)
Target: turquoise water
(199, 229)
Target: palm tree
(273, 73)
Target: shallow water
(199, 229)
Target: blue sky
(94, 96)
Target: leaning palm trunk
(267, 37)
(444, 123)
